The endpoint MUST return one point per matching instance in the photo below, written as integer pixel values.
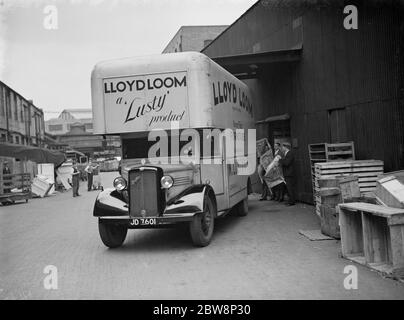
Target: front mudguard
(110, 203)
(191, 200)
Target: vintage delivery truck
(176, 114)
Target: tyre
(249, 187)
(242, 208)
(112, 235)
(202, 225)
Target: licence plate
(143, 222)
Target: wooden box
(329, 222)
(390, 191)
(373, 235)
(349, 187)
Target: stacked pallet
(367, 172)
(326, 152)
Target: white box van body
(175, 114)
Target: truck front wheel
(202, 225)
(112, 235)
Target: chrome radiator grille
(145, 194)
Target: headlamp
(166, 182)
(119, 183)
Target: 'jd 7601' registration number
(143, 222)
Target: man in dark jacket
(288, 162)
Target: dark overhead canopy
(246, 66)
(38, 155)
(281, 117)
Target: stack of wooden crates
(367, 172)
(333, 191)
(326, 152)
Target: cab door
(215, 173)
(237, 184)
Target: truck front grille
(146, 198)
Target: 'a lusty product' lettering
(154, 105)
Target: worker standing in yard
(75, 180)
(90, 170)
(96, 177)
(288, 162)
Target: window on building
(8, 104)
(22, 106)
(39, 125)
(2, 102)
(55, 127)
(14, 99)
(89, 126)
(26, 116)
(17, 139)
(18, 106)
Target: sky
(53, 66)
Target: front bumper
(111, 207)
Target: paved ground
(260, 256)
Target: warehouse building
(21, 122)
(61, 124)
(315, 80)
(78, 138)
(73, 129)
(193, 38)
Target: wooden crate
(367, 172)
(390, 192)
(373, 235)
(340, 151)
(325, 152)
(329, 221)
(349, 186)
(333, 191)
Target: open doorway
(279, 131)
